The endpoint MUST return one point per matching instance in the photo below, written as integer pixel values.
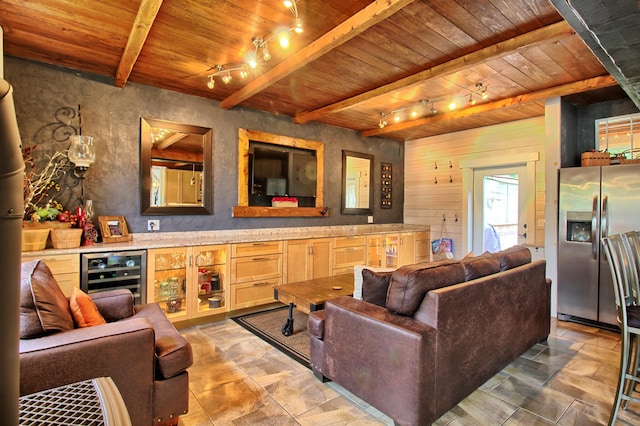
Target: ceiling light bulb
(243, 73)
(284, 39)
(288, 3)
(211, 84)
(265, 54)
(414, 113)
(484, 94)
(472, 101)
(227, 78)
(434, 111)
(298, 27)
(251, 60)
(396, 117)
(453, 105)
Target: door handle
(594, 226)
(604, 220)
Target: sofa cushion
(375, 286)
(513, 257)
(173, 352)
(44, 309)
(480, 266)
(409, 284)
(85, 313)
(357, 277)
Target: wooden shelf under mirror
(263, 211)
(309, 169)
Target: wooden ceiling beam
(142, 25)
(498, 50)
(376, 12)
(562, 90)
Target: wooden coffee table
(309, 296)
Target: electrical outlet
(369, 219)
(153, 225)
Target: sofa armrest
(123, 351)
(366, 345)
(114, 305)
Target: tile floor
(237, 379)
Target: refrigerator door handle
(604, 218)
(594, 227)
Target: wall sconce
(81, 154)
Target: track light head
(226, 79)
(211, 83)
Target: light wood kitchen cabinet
(255, 269)
(383, 250)
(348, 252)
(64, 267)
(178, 278)
(422, 247)
(407, 248)
(307, 259)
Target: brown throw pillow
(44, 309)
(375, 286)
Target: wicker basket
(34, 238)
(595, 158)
(631, 159)
(66, 238)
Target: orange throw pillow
(85, 312)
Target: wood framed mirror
(357, 183)
(176, 168)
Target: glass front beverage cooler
(116, 270)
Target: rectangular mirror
(175, 168)
(357, 183)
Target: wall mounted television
(278, 170)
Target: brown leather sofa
(427, 335)
(138, 348)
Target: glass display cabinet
(167, 270)
(189, 282)
(211, 264)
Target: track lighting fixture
(419, 110)
(258, 53)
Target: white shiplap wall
(427, 201)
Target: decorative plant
(39, 203)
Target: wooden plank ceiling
(354, 60)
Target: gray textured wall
(112, 116)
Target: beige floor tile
(544, 402)
(238, 379)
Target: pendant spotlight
(419, 109)
(258, 53)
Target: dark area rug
(268, 326)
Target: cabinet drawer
(59, 264)
(349, 256)
(357, 240)
(254, 249)
(255, 268)
(345, 270)
(254, 293)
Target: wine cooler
(116, 270)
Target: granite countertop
(151, 240)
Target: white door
(499, 208)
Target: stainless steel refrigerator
(594, 202)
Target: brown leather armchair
(138, 348)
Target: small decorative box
(284, 202)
